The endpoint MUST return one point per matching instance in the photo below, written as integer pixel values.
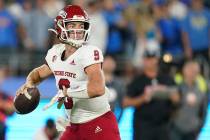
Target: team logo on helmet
(62, 13)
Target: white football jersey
(70, 72)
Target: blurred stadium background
(121, 28)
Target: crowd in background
(121, 28)
(176, 31)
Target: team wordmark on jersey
(65, 73)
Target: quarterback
(77, 68)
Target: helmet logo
(62, 13)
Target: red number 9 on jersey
(96, 55)
(65, 82)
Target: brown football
(26, 103)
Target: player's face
(75, 30)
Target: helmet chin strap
(73, 45)
(70, 43)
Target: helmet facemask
(73, 37)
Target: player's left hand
(61, 100)
(64, 91)
(59, 97)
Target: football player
(77, 68)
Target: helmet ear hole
(63, 35)
(87, 25)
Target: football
(27, 102)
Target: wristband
(78, 94)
